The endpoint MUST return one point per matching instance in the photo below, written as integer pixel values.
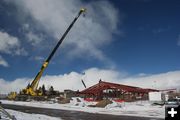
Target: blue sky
(151, 31)
(129, 36)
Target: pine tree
(43, 89)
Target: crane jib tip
(83, 10)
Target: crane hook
(83, 10)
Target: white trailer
(155, 96)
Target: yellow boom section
(35, 82)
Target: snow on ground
(144, 109)
(26, 116)
(141, 108)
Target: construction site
(101, 91)
(34, 92)
(103, 100)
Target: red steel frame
(99, 87)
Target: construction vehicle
(31, 90)
(12, 95)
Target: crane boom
(31, 89)
(83, 83)
(35, 82)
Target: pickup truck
(171, 103)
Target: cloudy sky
(128, 42)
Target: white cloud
(10, 45)
(72, 80)
(88, 35)
(25, 26)
(93, 75)
(33, 38)
(3, 62)
(39, 58)
(157, 81)
(16, 85)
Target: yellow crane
(31, 89)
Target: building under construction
(107, 90)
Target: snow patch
(140, 109)
(26, 116)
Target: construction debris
(62, 100)
(103, 103)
